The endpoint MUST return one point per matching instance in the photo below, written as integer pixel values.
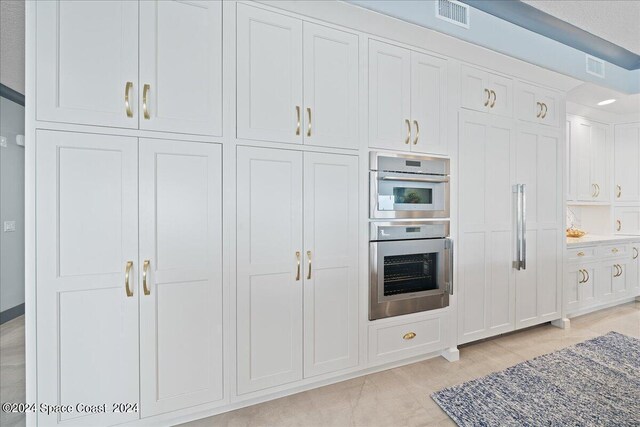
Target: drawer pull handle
(409, 336)
(583, 276)
(580, 253)
(619, 225)
(614, 250)
(127, 97)
(493, 104)
(544, 114)
(588, 277)
(145, 275)
(298, 123)
(488, 97)
(127, 274)
(408, 123)
(145, 101)
(298, 262)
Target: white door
(539, 286)
(180, 275)
(501, 89)
(389, 96)
(527, 103)
(330, 87)
(581, 149)
(330, 263)
(269, 267)
(634, 271)
(180, 86)
(627, 220)
(587, 289)
(574, 279)
(600, 169)
(485, 256)
(620, 277)
(87, 62)
(474, 91)
(269, 76)
(627, 159)
(550, 104)
(429, 111)
(87, 313)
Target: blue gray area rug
(594, 383)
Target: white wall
(11, 206)
(12, 44)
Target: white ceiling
(615, 21)
(589, 94)
(12, 44)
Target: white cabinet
(633, 275)
(87, 314)
(579, 289)
(181, 66)
(536, 104)
(270, 70)
(626, 161)
(485, 91)
(590, 155)
(87, 62)
(407, 99)
(88, 54)
(180, 275)
(627, 220)
(297, 265)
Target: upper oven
(408, 186)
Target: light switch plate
(9, 226)
(20, 140)
(3, 141)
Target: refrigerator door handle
(518, 261)
(523, 227)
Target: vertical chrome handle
(488, 97)
(539, 112)
(127, 100)
(309, 265)
(516, 190)
(523, 230)
(406, 141)
(495, 98)
(309, 124)
(145, 101)
(298, 261)
(415, 141)
(619, 192)
(448, 272)
(127, 274)
(298, 115)
(145, 270)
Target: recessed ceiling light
(607, 102)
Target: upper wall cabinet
(537, 105)
(285, 96)
(627, 159)
(88, 58)
(589, 163)
(484, 91)
(407, 100)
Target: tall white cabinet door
(389, 96)
(627, 220)
(429, 103)
(485, 255)
(627, 159)
(330, 87)
(501, 95)
(181, 62)
(87, 62)
(600, 155)
(331, 263)
(539, 286)
(581, 149)
(474, 91)
(269, 76)
(269, 267)
(87, 226)
(181, 300)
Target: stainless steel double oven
(411, 254)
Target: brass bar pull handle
(593, 193)
(409, 336)
(597, 190)
(145, 269)
(309, 124)
(544, 114)
(298, 261)
(583, 276)
(588, 276)
(614, 250)
(580, 253)
(495, 98)
(540, 111)
(619, 225)
(415, 141)
(127, 99)
(619, 193)
(635, 251)
(127, 273)
(298, 115)
(406, 141)
(309, 265)
(619, 270)
(145, 101)
(488, 97)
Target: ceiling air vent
(453, 11)
(595, 66)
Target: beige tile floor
(396, 397)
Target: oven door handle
(448, 277)
(412, 179)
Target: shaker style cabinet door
(269, 268)
(389, 96)
(269, 76)
(180, 86)
(180, 275)
(627, 159)
(330, 87)
(331, 263)
(87, 300)
(87, 62)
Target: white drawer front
(395, 342)
(618, 250)
(581, 254)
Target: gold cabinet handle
(145, 101)
(594, 193)
(614, 250)
(583, 277)
(635, 251)
(588, 277)
(415, 141)
(298, 116)
(145, 270)
(619, 193)
(545, 111)
(597, 190)
(619, 270)
(406, 141)
(127, 99)
(540, 111)
(580, 253)
(619, 223)
(409, 336)
(127, 273)
(309, 265)
(309, 124)
(495, 98)
(617, 273)
(298, 261)
(488, 97)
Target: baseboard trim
(11, 313)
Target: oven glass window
(416, 196)
(404, 274)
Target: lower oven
(411, 266)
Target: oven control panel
(408, 230)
